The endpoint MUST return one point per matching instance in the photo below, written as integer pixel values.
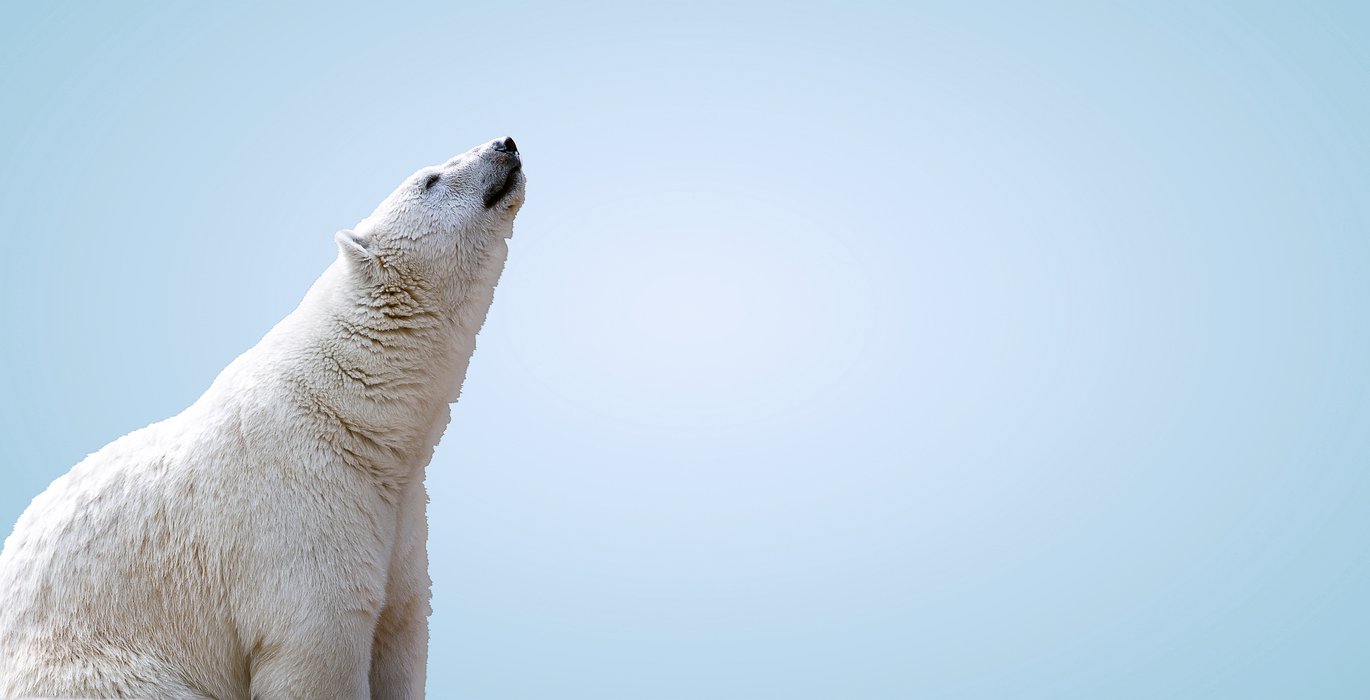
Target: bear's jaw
(504, 186)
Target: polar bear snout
(506, 174)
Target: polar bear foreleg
(399, 659)
(319, 664)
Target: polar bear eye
(432, 180)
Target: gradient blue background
(845, 351)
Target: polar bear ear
(353, 247)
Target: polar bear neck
(374, 367)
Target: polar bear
(270, 541)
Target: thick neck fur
(375, 361)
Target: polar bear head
(445, 224)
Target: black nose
(506, 145)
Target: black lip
(496, 193)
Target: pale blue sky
(846, 351)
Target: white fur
(271, 540)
